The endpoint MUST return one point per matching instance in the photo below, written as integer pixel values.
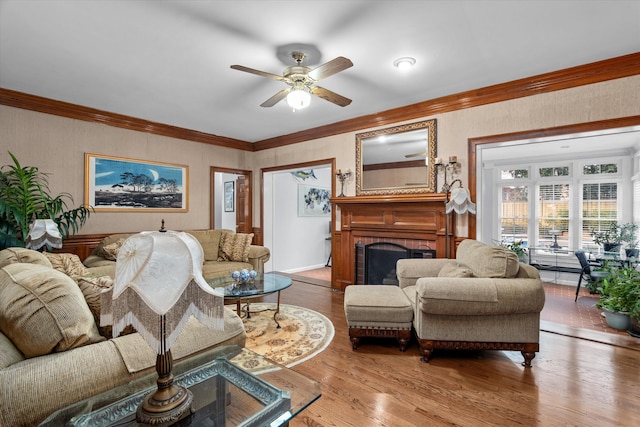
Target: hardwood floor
(573, 381)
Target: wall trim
(609, 69)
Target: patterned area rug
(303, 333)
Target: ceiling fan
(302, 81)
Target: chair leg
(578, 290)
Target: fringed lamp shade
(460, 202)
(158, 285)
(43, 232)
(159, 275)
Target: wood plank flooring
(573, 382)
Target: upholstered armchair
(482, 300)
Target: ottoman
(381, 311)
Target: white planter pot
(617, 320)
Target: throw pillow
(27, 256)
(42, 310)
(235, 247)
(455, 270)
(69, 264)
(111, 251)
(91, 288)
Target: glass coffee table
(264, 284)
(226, 393)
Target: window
(559, 204)
(599, 208)
(554, 171)
(600, 169)
(514, 216)
(553, 215)
(514, 173)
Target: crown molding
(73, 111)
(609, 69)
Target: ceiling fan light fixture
(298, 99)
(404, 63)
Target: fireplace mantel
(411, 220)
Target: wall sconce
(460, 200)
(343, 177)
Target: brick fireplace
(412, 221)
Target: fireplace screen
(376, 262)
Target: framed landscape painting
(117, 184)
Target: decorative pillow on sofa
(91, 288)
(69, 264)
(111, 250)
(235, 247)
(42, 310)
(455, 270)
(24, 255)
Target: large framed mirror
(397, 160)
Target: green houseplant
(629, 236)
(24, 197)
(619, 296)
(610, 239)
(517, 247)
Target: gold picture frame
(119, 184)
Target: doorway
(231, 200)
(299, 240)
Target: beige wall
(57, 145)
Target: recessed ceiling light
(404, 63)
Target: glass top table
(264, 284)
(225, 393)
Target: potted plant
(517, 247)
(633, 279)
(610, 239)
(619, 296)
(628, 236)
(24, 197)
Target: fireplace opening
(376, 262)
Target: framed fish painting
(313, 201)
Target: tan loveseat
(52, 353)
(484, 299)
(224, 251)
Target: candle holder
(343, 177)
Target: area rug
(303, 333)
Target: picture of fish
(303, 175)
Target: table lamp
(43, 232)
(158, 285)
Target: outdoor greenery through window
(553, 214)
(571, 200)
(599, 208)
(514, 221)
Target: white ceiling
(168, 61)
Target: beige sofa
(483, 300)
(52, 353)
(224, 251)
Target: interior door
(242, 205)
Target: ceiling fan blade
(258, 72)
(330, 96)
(330, 68)
(276, 98)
